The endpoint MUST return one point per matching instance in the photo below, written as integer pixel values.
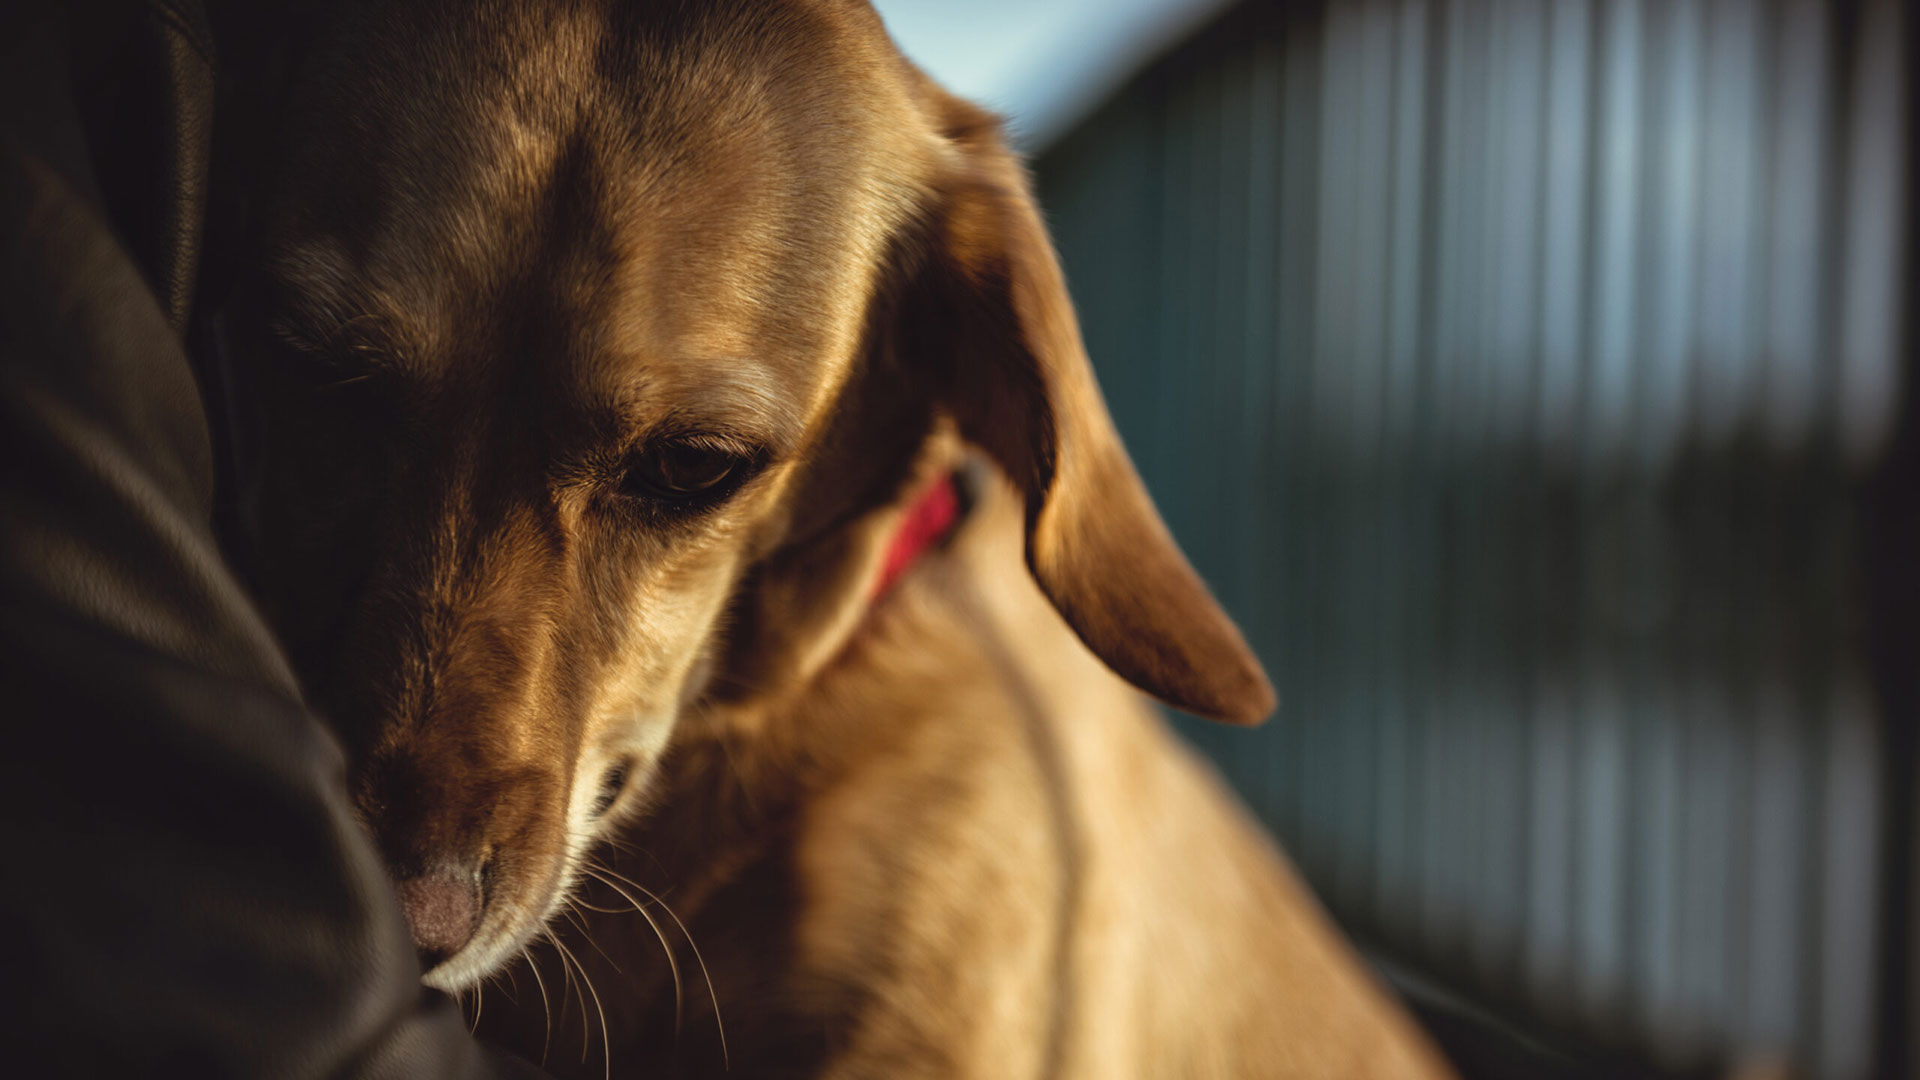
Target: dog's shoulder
(1026, 872)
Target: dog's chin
(461, 971)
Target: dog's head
(575, 325)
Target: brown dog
(610, 347)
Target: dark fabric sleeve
(184, 892)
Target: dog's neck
(791, 730)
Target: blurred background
(1531, 378)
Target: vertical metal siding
(1513, 369)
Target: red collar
(927, 522)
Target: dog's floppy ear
(997, 319)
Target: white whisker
(704, 973)
(673, 962)
(606, 1047)
(581, 925)
(566, 973)
(546, 1008)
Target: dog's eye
(610, 788)
(685, 472)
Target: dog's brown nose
(443, 910)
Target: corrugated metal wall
(1513, 370)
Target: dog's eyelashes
(685, 472)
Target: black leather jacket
(184, 892)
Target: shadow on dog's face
(556, 304)
(568, 316)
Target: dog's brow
(318, 310)
(314, 281)
(367, 339)
(744, 433)
(730, 396)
